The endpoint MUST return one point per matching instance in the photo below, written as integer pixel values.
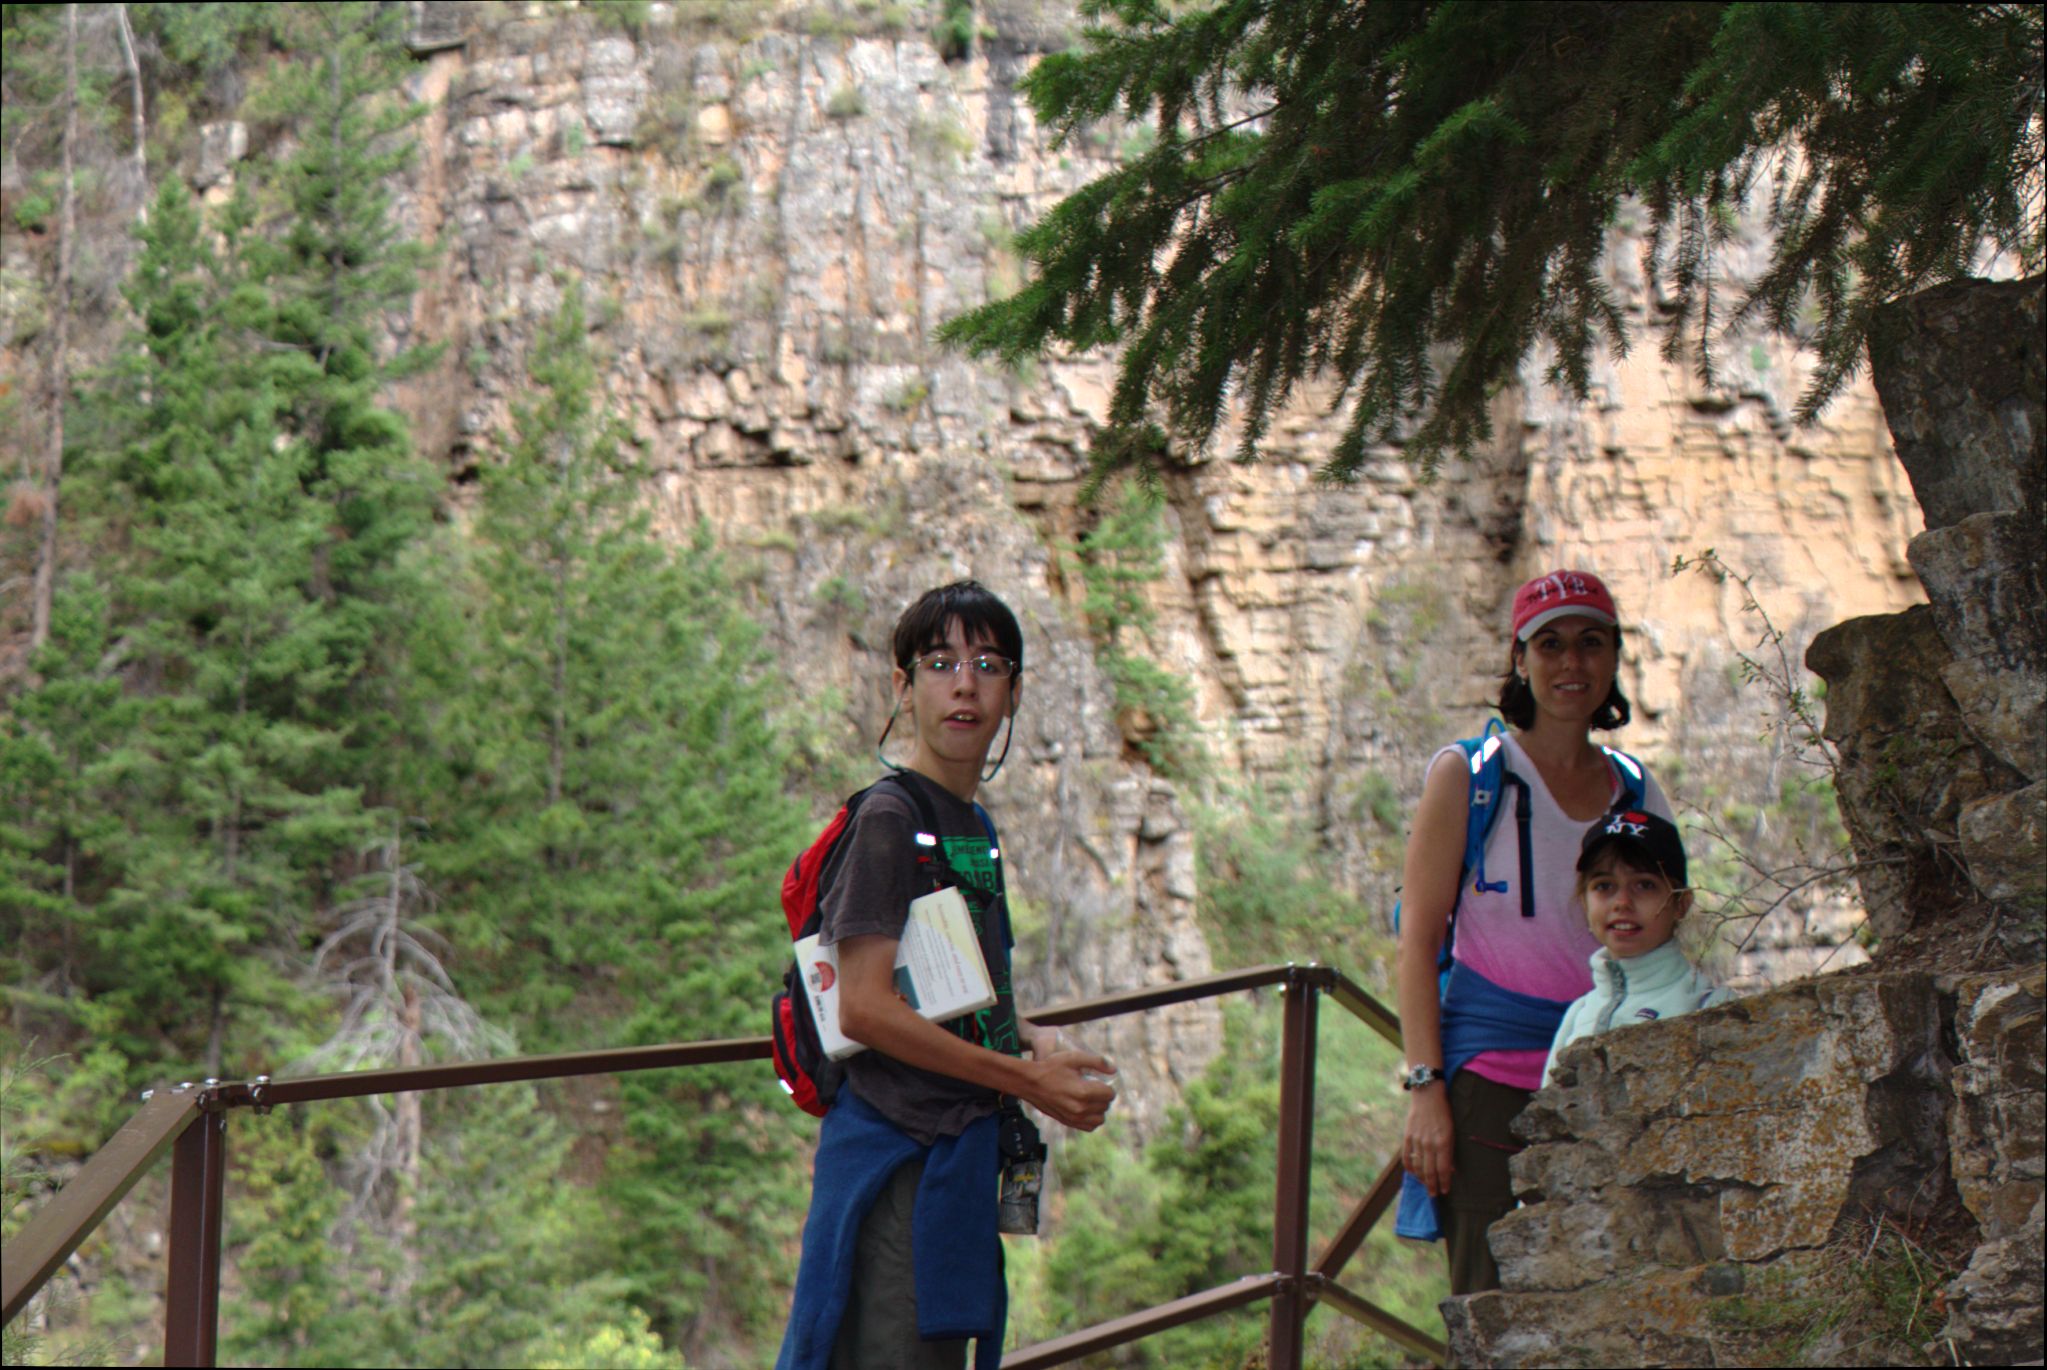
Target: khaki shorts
(1481, 1190)
(879, 1329)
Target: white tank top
(1546, 955)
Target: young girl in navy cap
(1631, 882)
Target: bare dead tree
(399, 1008)
(1764, 887)
(44, 588)
(140, 153)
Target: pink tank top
(1547, 955)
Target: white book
(940, 971)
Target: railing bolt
(146, 1095)
(184, 1084)
(212, 1080)
(262, 1079)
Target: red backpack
(810, 1077)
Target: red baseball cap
(1558, 594)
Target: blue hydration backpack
(1485, 755)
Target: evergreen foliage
(1120, 557)
(1413, 197)
(306, 778)
(620, 822)
(1266, 892)
(236, 630)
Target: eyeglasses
(985, 665)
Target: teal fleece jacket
(1633, 989)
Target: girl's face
(1631, 911)
(1569, 665)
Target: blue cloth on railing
(1478, 1016)
(953, 1246)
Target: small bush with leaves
(846, 103)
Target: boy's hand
(1042, 1042)
(1061, 1092)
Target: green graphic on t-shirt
(972, 861)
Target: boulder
(1696, 1189)
(1958, 368)
(1908, 763)
(1941, 715)
(1994, 1134)
(1987, 585)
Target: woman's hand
(1426, 1149)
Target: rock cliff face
(1949, 774)
(769, 223)
(769, 210)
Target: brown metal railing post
(1290, 1303)
(192, 1293)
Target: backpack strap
(1486, 761)
(1634, 780)
(1486, 775)
(803, 889)
(993, 935)
(1633, 784)
(1522, 814)
(926, 836)
(1001, 884)
(1486, 757)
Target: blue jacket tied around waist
(1478, 1016)
(958, 1257)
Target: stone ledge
(1677, 1164)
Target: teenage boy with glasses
(901, 1262)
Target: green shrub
(1119, 558)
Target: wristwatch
(1417, 1076)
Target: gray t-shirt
(872, 876)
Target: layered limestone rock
(769, 225)
(1942, 715)
(768, 212)
(1681, 1176)
(1995, 1141)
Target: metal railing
(192, 1120)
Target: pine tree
(61, 749)
(256, 506)
(1413, 197)
(205, 805)
(619, 822)
(335, 270)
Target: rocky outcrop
(1942, 720)
(1995, 1141)
(1689, 1181)
(1910, 767)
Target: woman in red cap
(1476, 1038)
